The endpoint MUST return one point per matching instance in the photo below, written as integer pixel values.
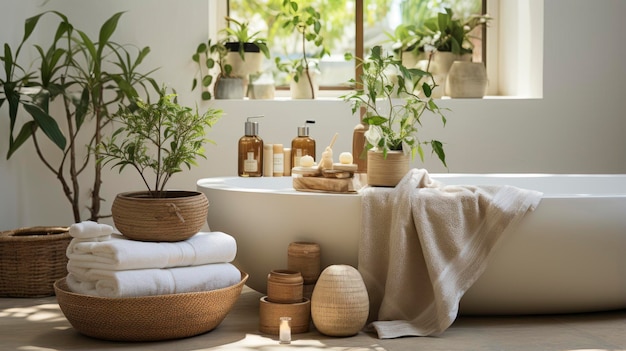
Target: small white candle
(284, 330)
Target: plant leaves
(47, 124)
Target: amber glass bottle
(251, 151)
(302, 145)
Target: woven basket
(340, 303)
(31, 259)
(177, 216)
(148, 318)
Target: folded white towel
(75, 241)
(120, 253)
(147, 282)
(90, 229)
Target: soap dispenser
(251, 150)
(302, 145)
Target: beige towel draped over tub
(424, 244)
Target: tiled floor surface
(39, 325)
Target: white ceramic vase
(467, 80)
(229, 88)
(302, 88)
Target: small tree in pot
(394, 122)
(159, 138)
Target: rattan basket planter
(31, 259)
(176, 216)
(148, 318)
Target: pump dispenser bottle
(251, 151)
(302, 145)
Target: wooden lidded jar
(304, 257)
(340, 303)
(284, 286)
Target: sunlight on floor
(40, 313)
(261, 343)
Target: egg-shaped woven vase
(339, 303)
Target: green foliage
(306, 23)
(207, 55)
(241, 34)
(451, 34)
(86, 78)
(161, 138)
(394, 122)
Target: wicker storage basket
(31, 259)
(177, 216)
(148, 318)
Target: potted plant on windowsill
(450, 42)
(392, 137)
(245, 49)
(306, 22)
(159, 138)
(226, 85)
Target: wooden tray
(328, 185)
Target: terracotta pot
(387, 171)
(467, 80)
(340, 304)
(284, 286)
(176, 216)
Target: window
(342, 32)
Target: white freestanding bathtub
(567, 256)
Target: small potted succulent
(392, 137)
(159, 138)
(306, 22)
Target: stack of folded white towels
(107, 264)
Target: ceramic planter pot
(229, 88)
(176, 216)
(387, 171)
(467, 80)
(250, 64)
(302, 88)
(439, 66)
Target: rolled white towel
(120, 253)
(90, 229)
(147, 282)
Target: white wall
(577, 127)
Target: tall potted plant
(392, 137)
(306, 23)
(159, 138)
(65, 98)
(82, 80)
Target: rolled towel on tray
(90, 229)
(147, 282)
(120, 253)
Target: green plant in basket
(395, 99)
(160, 138)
